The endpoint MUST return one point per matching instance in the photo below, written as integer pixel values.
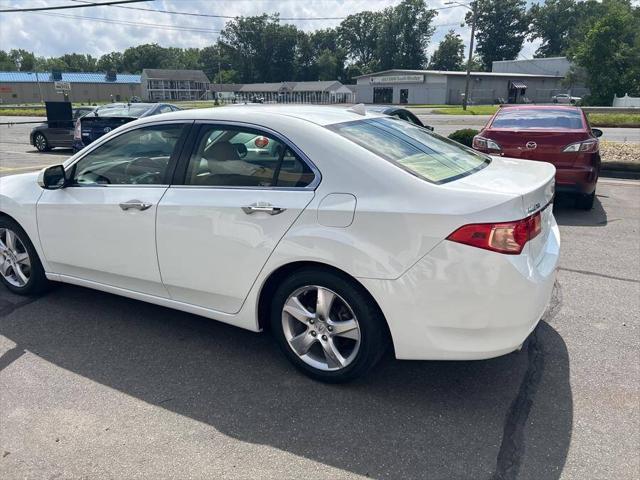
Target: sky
(58, 32)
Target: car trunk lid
(538, 145)
(93, 127)
(528, 188)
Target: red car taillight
(506, 237)
(77, 131)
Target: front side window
(415, 149)
(136, 157)
(236, 157)
(538, 118)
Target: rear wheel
(20, 267)
(41, 143)
(327, 326)
(585, 202)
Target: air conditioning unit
(111, 76)
(56, 75)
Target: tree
(327, 63)
(77, 62)
(403, 35)
(450, 53)
(150, 55)
(501, 27)
(554, 22)
(23, 60)
(358, 36)
(6, 62)
(609, 51)
(259, 48)
(111, 61)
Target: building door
(404, 95)
(382, 95)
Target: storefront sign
(398, 79)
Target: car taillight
(77, 131)
(482, 143)
(505, 237)
(586, 146)
(261, 142)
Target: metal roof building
(28, 87)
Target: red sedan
(560, 135)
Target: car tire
(41, 142)
(333, 345)
(17, 251)
(585, 202)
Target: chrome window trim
(317, 176)
(102, 140)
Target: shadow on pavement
(436, 420)
(566, 213)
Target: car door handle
(136, 205)
(262, 207)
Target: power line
(114, 3)
(165, 26)
(130, 23)
(209, 15)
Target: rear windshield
(122, 111)
(534, 119)
(415, 149)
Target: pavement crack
(597, 274)
(513, 441)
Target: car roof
(539, 107)
(318, 114)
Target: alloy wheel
(321, 328)
(15, 263)
(41, 142)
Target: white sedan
(566, 98)
(342, 231)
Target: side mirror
(597, 132)
(52, 178)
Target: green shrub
(464, 136)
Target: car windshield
(415, 149)
(535, 119)
(133, 110)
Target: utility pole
(473, 8)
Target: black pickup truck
(111, 116)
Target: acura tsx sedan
(358, 232)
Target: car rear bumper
(577, 179)
(464, 303)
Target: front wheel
(20, 267)
(41, 143)
(327, 325)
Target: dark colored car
(111, 116)
(399, 112)
(560, 135)
(56, 134)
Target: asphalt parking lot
(97, 386)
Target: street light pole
(465, 100)
(473, 7)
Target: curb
(625, 174)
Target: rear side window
(237, 157)
(415, 149)
(534, 119)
